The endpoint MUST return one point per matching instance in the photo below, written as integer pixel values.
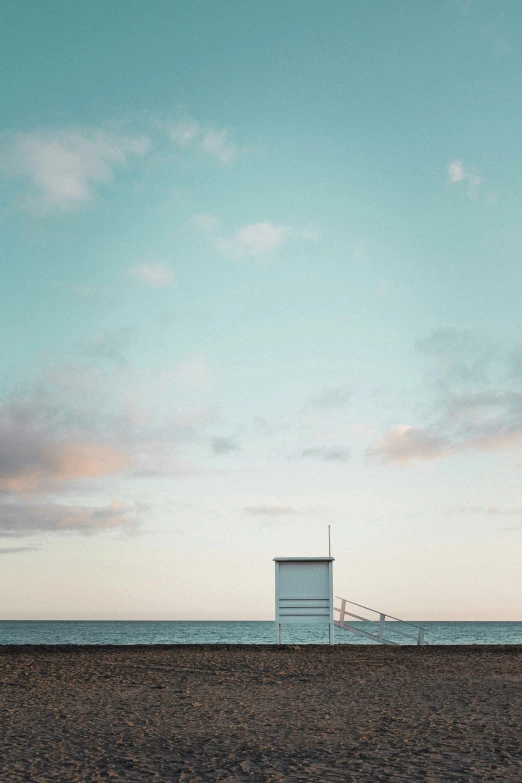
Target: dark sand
(242, 713)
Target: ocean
(260, 632)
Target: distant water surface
(184, 632)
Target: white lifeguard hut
(304, 592)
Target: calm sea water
(167, 632)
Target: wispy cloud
(458, 356)
(153, 275)
(10, 550)
(46, 444)
(110, 345)
(254, 239)
(405, 443)
(69, 437)
(326, 453)
(330, 399)
(222, 445)
(458, 172)
(190, 135)
(272, 511)
(63, 168)
(497, 511)
(261, 239)
(458, 510)
(490, 511)
(205, 222)
(24, 519)
(477, 395)
(498, 427)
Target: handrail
(406, 622)
(357, 616)
(381, 623)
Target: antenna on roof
(329, 543)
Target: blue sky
(261, 274)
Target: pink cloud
(404, 443)
(57, 464)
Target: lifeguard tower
(304, 595)
(304, 592)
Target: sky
(261, 274)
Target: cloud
(19, 519)
(260, 511)
(498, 438)
(73, 376)
(190, 135)
(444, 340)
(458, 355)
(491, 511)
(184, 133)
(260, 239)
(254, 239)
(37, 465)
(42, 447)
(205, 222)
(63, 168)
(14, 549)
(217, 144)
(110, 345)
(153, 275)
(477, 397)
(331, 399)
(161, 466)
(404, 443)
(221, 445)
(326, 454)
(474, 183)
(457, 172)
(496, 511)
(68, 441)
(458, 510)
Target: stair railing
(419, 637)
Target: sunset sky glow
(261, 273)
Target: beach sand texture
(258, 713)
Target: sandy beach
(245, 713)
